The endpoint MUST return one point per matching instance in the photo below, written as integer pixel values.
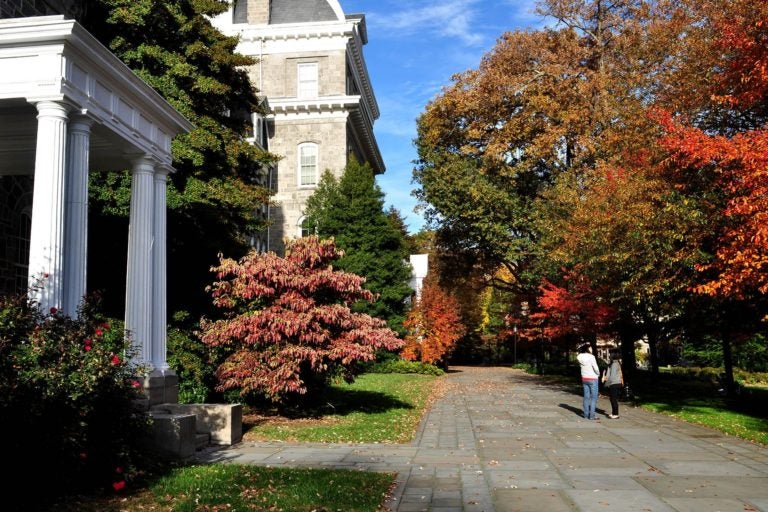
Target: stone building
(311, 70)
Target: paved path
(499, 440)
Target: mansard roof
(291, 11)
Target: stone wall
(327, 129)
(280, 80)
(330, 134)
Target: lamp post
(515, 346)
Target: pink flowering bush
(67, 395)
(288, 326)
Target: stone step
(202, 439)
(179, 430)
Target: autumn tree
(510, 150)
(636, 240)
(733, 153)
(434, 326)
(739, 157)
(216, 190)
(351, 211)
(543, 107)
(288, 325)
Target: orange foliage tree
(434, 325)
(738, 156)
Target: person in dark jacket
(614, 381)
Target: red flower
(118, 486)
(99, 332)
(115, 360)
(106, 326)
(87, 348)
(87, 341)
(119, 470)
(46, 275)
(54, 310)
(136, 384)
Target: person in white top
(590, 375)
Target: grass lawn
(714, 412)
(376, 408)
(229, 487)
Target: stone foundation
(177, 429)
(222, 422)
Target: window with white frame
(307, 75)
(259, 130)
(307, 164)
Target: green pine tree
(351, 210)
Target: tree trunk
(628, 362)
(653, 347)
(728, 382)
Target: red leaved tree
(434, 325)
(573, 309)
(288, 322)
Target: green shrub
(745, 377)
(703, 374)
(526, 367)
(749, 354)
(714, 375)
(194, 364)
(403, 366)
(67, 399)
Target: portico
(68, 107)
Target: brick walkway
(500, 441)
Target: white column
(138, 292)
(159, 279)
(76, 213)
(46, 248)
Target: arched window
(308, 164)
(306, 228)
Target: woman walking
(614, 379)
(590, 373)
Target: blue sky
(414, 47)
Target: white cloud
(452, 19)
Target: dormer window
(307, 80)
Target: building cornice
(348, 31)
(349, 106)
